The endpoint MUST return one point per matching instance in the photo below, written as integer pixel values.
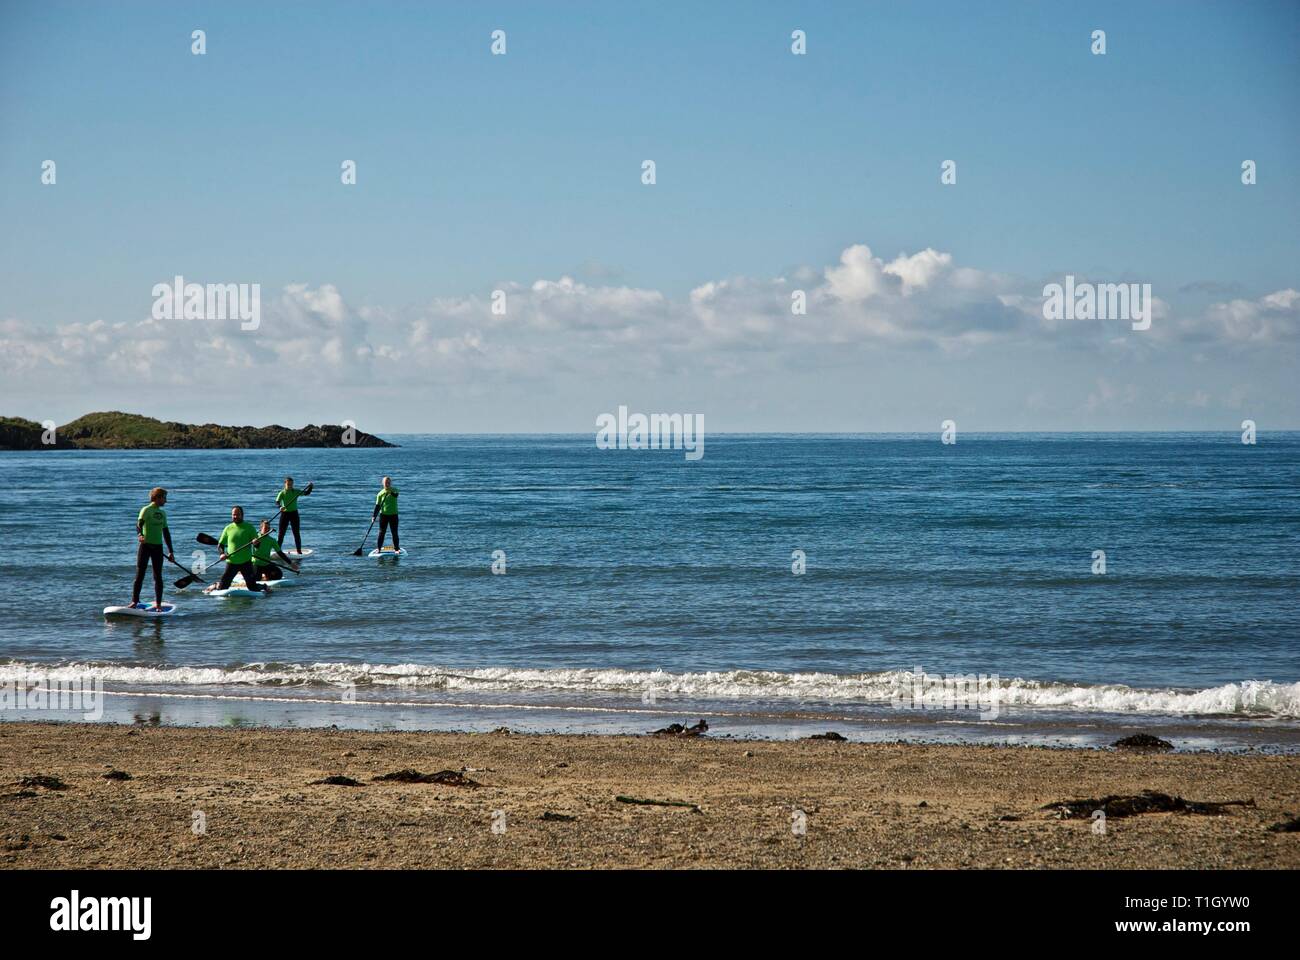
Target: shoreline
(564, 714)
(872, 805)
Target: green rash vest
(237, 537)
(152, 521)
(262, 552)
(386, 500)
(288, 499)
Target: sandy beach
(231, 798)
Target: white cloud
(859, 276)
(1270, 319)
(920, 269)
(564, 327)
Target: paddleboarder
(236, 544)
(288, 501)
(262, 550)
(386, 511)
(150, 533)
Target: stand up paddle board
(387, 552)
(239, 583)
(145, 610)
(299, 555)
(236, 592)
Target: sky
(774, 172)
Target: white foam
(1252, 698)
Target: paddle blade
(206, 539)
(357, 552)
(184, 582)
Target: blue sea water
(640, 586)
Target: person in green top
(288, 501)
(386, 511)
(263, 548)
(150, 532)
(236, 543)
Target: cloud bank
(921, 301)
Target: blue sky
(478, 173)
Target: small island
(130, 431)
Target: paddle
(359, 550)
(189, 577)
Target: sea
(1058, 589)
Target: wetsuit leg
(383, 528)
(156, 554)
(392, 525)
(227, 577)
(284, 525)
(141, 563)
(250, 576)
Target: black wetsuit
(388, 522)
(289, 520)
(247, 569)
(267, 571)
(145, 554)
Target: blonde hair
(156, 493)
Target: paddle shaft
(192, 575)
(357, 552)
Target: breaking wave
(1248, 698)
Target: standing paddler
(150, 533)
(386, 511)
(288, 501)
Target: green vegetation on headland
(130, 431)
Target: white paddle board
(236, 592)
(239, 584)
(387, 552)
(296, 555)
(141, 610)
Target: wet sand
(865, 805)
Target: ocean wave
(1248, 698)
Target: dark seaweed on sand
(47, 783)
(678, 730)
(451, 778)
(1143, 743)
(1148, 801)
